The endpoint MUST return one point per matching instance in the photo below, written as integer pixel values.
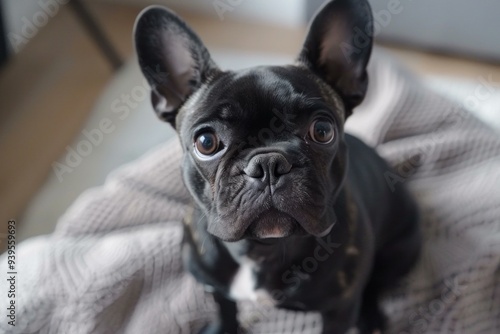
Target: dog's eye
(207, 143)
(322, 131)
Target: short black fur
(313, 221)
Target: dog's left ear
(338, 47)
(172, 58)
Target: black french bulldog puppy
(287, 209)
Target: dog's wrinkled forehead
(252, 93)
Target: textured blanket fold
(113, 265)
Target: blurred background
(74, 106)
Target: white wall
(24, 18)
(279, 12)
(15, 10)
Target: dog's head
(264, 151)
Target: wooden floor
(49, 88)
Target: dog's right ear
(172, 58)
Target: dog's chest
(244, 284)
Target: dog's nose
(268, 166)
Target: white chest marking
(243, 284)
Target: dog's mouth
(271, 219)
(273, 224)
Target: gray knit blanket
(113, 265)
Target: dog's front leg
(226, 322)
